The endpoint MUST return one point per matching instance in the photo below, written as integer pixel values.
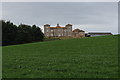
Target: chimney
(57, 24)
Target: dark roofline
(78, 30)
(69, 24)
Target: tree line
(13, 34)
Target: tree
(38, 35)
(9, 33)
(12, 34)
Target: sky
(88, 16)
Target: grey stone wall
(69, 30)
(47, 30)
(61, 32)
(57, 32)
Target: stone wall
(57, 32)
(61, 31)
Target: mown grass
(95, 57)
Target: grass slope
(94, 57)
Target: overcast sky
(88, 16)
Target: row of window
(57, 30)
(58, 35)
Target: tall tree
(9, 33)
(12, 34)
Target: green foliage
(91, 57)
(9, 33)
(12, 34)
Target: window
(47, 35)
(51, 30)
(68, 29)
(51, 34)
(59, 30)
(59, 35)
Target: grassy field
(93, 57)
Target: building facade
(78, 33)
(59, 31)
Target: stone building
(78, 33)
(59, 31)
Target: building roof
(69, 24)
(58, 27)
(78, 30)
(47, 25)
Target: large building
(59, 31)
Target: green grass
(93, 57)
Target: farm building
(92, 34)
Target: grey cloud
(77, 13)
